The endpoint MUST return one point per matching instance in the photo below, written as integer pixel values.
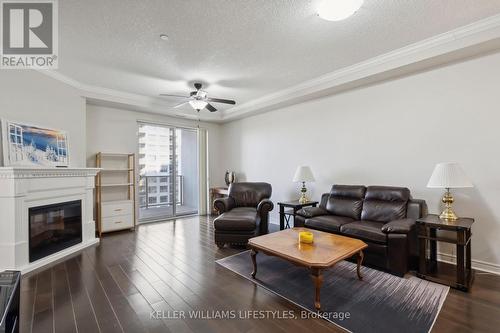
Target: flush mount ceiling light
(336, 10)
(163, 37)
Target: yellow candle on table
(306, 237)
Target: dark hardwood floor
(170, 266)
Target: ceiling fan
(199, 99)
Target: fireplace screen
(54, 228)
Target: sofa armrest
(417, 208)
(265, 206)
(324, 200)
(403, 226)
(224, 204)
(309, 212)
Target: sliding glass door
(168, 172)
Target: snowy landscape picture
(26, 145)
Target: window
(152, 200)
(164, 180)
(164, 188)
(163, 198)
(16, 135)
(61, 146)
(152, 189)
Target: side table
(457, 276)
(285, 215)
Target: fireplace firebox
(53, 228)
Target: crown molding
(116, 98)
(430, 52)
(470, 40)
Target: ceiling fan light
(337, 10)
(197, 104)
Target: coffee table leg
(253, 254)
(318, 281)
(360, 260)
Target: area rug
(380, 302)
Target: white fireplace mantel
(22, 188)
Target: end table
(457, 276)
(295, 206)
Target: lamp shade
(448, 175)
(303, 174)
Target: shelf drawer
(117, 223)
(110, 209)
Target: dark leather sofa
(382, 216)
(244, 213)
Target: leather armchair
(244, 213)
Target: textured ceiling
(242, 49)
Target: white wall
(34, 98)
(392, 133)
(115, 130)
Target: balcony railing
(144, 191)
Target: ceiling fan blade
(179, 105)
(210, 108)
(219, 100)
(169, 95)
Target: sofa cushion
(366, 230)
(237, 219)
(346, 200)
(385, 203)
(309, 212)
(329, 223)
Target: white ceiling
(241, 49)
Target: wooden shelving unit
(115, 187)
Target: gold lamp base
(448, 214)
(303, 199)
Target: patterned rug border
(256, 282)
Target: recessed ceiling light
(163, 37)
(336, 10)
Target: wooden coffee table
(327, 250)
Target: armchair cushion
(249, 194)
(224, 204)
(237, 219)
(309, 212)
(402, 226)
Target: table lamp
(303, 174)
(447, 176)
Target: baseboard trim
(476, 264)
